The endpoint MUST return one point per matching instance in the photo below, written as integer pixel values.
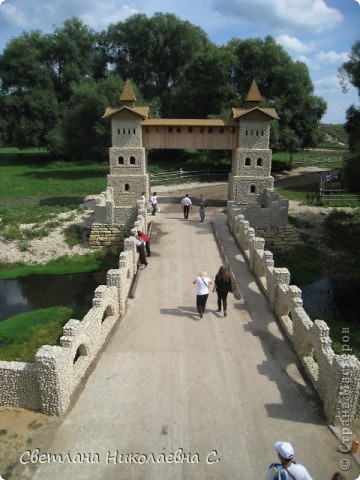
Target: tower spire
(127, 96)
(253, 98)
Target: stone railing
(49, 383)
(336, 378)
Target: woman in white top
(202, 283)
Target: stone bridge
(175, 397)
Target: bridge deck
(167, 380)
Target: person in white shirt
(202, 283)
(186, 203)
(143, 200)
(294, 471)
(154, 202)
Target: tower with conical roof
(251, 160)
(128, 176)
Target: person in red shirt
(146, 240)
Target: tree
(154, 51)
(72, 56)
(350, 72)
(204, 88)
(83, 134)
(286, 85)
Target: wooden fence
(306, 160)
(179, 176)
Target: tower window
(124, 131)
(252, 189)
(121, 161)
(210, 130)
(202, 129)
(221, 129)
(118, 131)
(178, 129)
(259, 162)
(132, 161)
(127, 187)
(247, 162)
(190, 129)
(170, 129)
(134, 131)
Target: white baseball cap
(285, 450)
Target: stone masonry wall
(105, 236)
(279, 237)
(336, 378)
(49, 384)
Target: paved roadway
(221, 389)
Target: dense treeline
(55, 87)
(350, 72)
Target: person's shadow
(181, 311)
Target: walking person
(186, 203)
(140, 247)
(202, 283)
(203, 205)
(287, 468)
(143, 200)
(146, 240)
(154, 203)
(222, 286)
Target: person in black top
(222, 287)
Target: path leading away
(219, 391)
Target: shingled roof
(127, 102)
(127, 95)
(254, 95)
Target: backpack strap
(206, 284)
(291, 476)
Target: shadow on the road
(185, 311)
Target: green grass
(34, 190)
(342, 235)
(305, 263)
(337, 335)
(92, 262)
(22, 335)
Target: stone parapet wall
(336, 378)
(49, 384)
(104, 236)
(271, 213)
(279, 238)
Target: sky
(320, 33)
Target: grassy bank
(22, 335)
(92, 262)
(33, 190)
